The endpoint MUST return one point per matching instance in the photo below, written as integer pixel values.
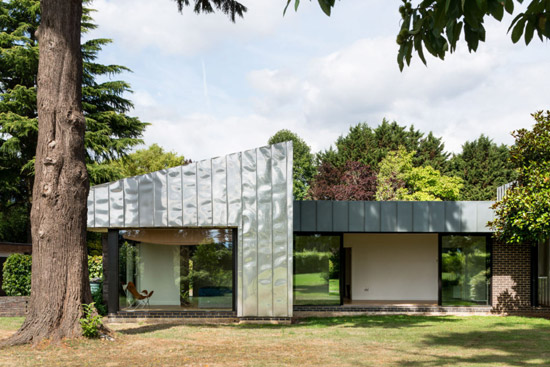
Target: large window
(185, 269)
(317, 270)
(465, 270)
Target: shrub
(91, 321)
(95, 267)
(311, 262)
(17, 275)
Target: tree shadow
(509, 347)
(382, 321)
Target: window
(465, 270)
(185, 268)
(317, 270)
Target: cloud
(136, 25)
(492, 91)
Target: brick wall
(511, 278)
(13, 306)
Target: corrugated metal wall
(251, 191)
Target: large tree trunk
(58, 217)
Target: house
(223, 238)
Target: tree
(353, 181)
(438, 25)
(483, 166)
(523, 215)
(151, 159)
(58, 217)
(369, 146)
(398, 179)
(303, 163)
(110, 132)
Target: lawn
(313, 289)
(351, 341)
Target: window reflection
(465, 270)
(317, 270)
(185, 268)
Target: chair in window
(140, 299)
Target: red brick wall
(13, 306)
(511, 278)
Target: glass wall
(182, 268)
(317, 270)
(465, 270)
(544, 273)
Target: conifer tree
(370, 145)
(483, 166)
(110, 132)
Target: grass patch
(313, 289)
(400, 341)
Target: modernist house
(223, 237)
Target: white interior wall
(393, 267)
(159, 271)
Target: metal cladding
(250, 191)
(393, 216)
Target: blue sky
(210, 87)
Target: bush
(95, 267)
(90, 322)
(311, 262)
(17, 275)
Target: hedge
(17, 273)
(311, 262)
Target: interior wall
(393, 267)
(159, 271)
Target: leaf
(518, 30)
(288, 3)
(447, 4)
(482, 5)
(529, 31)
(509, 6)
(325, 6)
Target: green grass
(397, 341)
(313, 289)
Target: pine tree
(483, 166)
(110, 132)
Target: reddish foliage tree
(353, 181)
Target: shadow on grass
(390, 322)
(148, 328)
(509, 347)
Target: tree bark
(60, 282)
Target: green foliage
(311, 261)
(95, 267)
(231, 8)
(212, 264)
(98, 301)
(110, 132)
(151, 159)
(438, 24)
(17, 275)
(369, 146)
(523, 215)
(398, 179)
(483, 166)
(303, 166)
(90, 321)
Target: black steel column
(534, 275)
(112, 270)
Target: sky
(210, 87)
